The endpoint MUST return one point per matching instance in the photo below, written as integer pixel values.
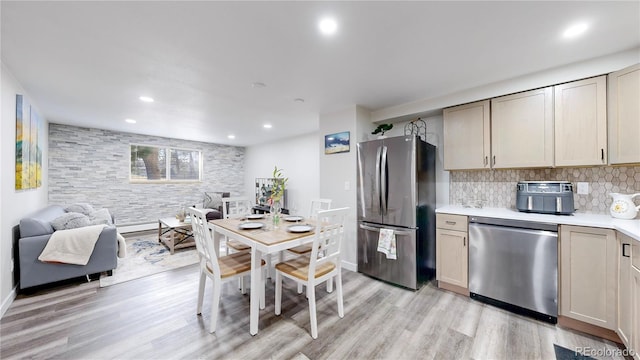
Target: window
(152, 163)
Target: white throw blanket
(122, 247)
(73, 246)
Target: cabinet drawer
(451, 222)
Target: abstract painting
(28, 149)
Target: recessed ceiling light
(267, 126)
(298, 100)
(146, 99)
(575, 30)
(258, 85)
(328, 26)
(231, 137)
(130, 121)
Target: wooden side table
(175, 234)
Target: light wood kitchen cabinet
(452, 256)
(625, 320)
(624, 116)
(467, 136)
(522, 129)
(635, 298)
(635, 311)
(589, 275)
(580, 122)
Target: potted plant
(381, 129)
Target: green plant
(382, 128)
(279, 182)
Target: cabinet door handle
(448, 222)
(602, 154)
(624, 250)
(494, 160)
(486, 160)
(464, 241)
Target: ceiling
(87, 63)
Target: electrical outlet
(583, 188)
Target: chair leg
(203, 280)
(215, 303)
(241, 282)
(300, 288)
(262, 285)
(339, 294)
(268, 256)
(278, 301)
(311, 294)
(330, 285)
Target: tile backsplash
(497, 188)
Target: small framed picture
(336, 143)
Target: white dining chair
(316, 205)
(323, 264)
(217, 268)
(233, 208)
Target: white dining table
(267, 240)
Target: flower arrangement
(279, 182)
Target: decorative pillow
(101, 216)
(82, 208)
(212, 201)
(70, 220)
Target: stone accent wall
(92, 165)
(497, 188)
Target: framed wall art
(28, 147)
(336, 143)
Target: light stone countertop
(627, 227)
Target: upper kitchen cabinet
(522, 129)
(467, 136)
(581, 122)
(624, 116)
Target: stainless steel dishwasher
(514, 264)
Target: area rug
(146, 256)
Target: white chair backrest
(318, 205)
(204, 241)
(235, 207)
(328, 238)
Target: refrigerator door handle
(399, 233)
(378, 179)
(383, 182)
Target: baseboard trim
(455, 288)
(584, 327)
(8, 301)
(349, 266)
(123, 229)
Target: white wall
(338, 171)
(298, 157)
(14, 204)
(570, 72)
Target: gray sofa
(35, 231)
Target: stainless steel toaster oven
(545, 197)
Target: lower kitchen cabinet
(635, 312)
(625, 288)
(588, 275)
(452, 255)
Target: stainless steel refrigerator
(396, 190)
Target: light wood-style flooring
(155, 318)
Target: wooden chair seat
(234, 264)
(299, 267)
(237, 245)
(301, 250)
